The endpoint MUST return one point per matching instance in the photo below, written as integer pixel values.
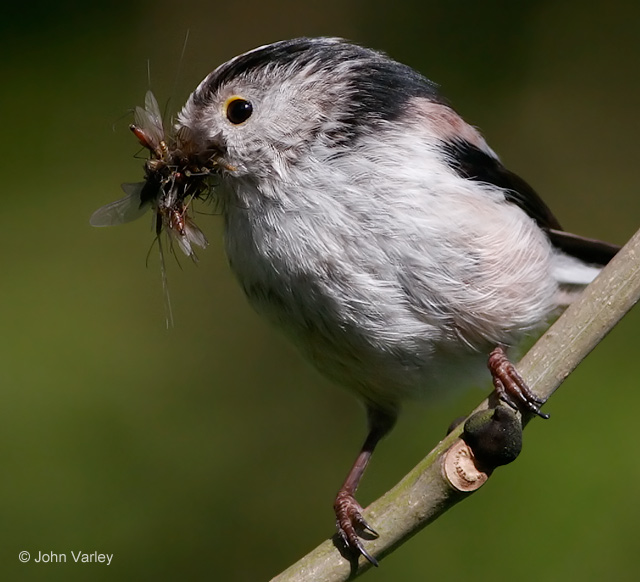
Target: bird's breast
(392, 302)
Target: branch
(426, 492)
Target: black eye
(238, 110)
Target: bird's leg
(349, 520)
(510, 386)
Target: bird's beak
(215, 153)
(201, 153)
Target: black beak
(213, 155)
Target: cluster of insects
(176, 174)
(174, 177)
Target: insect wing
(184, 244)
(194, 234)
(124, 210)
(149, 120)
(191, 235)
(151, 106)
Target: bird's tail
(578, 261)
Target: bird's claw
(350, 524)
(510, 386)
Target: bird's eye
(238, 110)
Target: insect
(174, 177)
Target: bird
(372, 225)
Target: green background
(212, 450)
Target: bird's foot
(510, 386)
(351, 525)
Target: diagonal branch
(426, 492)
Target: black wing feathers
(474, 164)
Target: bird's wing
(473, 163)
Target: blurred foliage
(212, 450)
